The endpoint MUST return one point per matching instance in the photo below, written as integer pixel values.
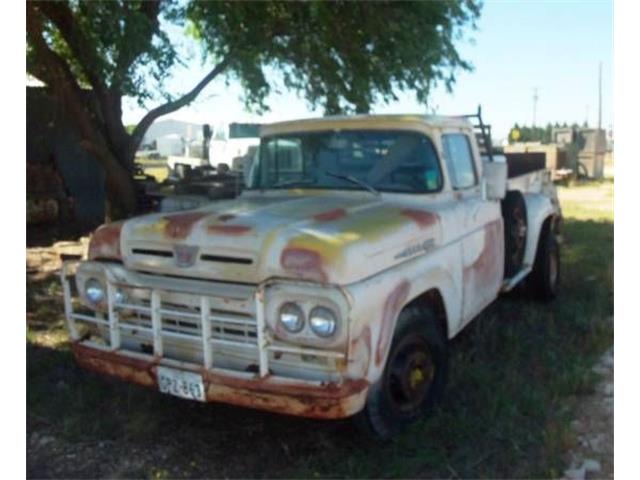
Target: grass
(515, 376)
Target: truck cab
(331, 287)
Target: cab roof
(339, 122)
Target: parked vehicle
(331, 287)
(232, 142)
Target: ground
(529, 394)
(592, 456)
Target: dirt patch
(45, 260)
(592, 457)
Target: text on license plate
(181, 384)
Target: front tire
(414, 378)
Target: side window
(459, 159)
(283, 161)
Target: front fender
(378, 300)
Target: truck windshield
(376, 160)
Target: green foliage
(129, 49)
(340, 55)
(532, 134)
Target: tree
(342, 56)
(548, 133)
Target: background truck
(331, 287)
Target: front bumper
(215, 331)
(276, 394)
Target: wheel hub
(410, 377)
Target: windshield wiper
(291, 183)
(355, 180)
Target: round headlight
(323, 322)
(291, 317)
(94, 290)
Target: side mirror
(494, 180)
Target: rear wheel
(514, 212)
(414, 377)
(544, 280)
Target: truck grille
(183, 327)
(210, 324)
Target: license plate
(181, 384)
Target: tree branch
(151, 10)
(174, 105)
(62, 17)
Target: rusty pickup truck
(331, 286)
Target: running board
(509, 283)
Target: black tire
(514, 212)
(544, 281)
(414, 378)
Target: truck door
(480, 224)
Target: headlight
(94, 291)
(323, 322)
(291, 317)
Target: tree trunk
(120, 201)
(120, 192)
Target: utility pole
(600, 96)
(535, 102)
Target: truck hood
(332, 238)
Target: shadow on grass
(515, 373)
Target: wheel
(544, 280)
(414, 377)
(514, 212)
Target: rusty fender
(329, 401)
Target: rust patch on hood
(331, 215)
(223, 228)
(422, 218)
(303, 263)
(232, 230)
(105, 242)
(392, 305)
(178, 227)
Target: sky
(552, 46)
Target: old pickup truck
(331, 286)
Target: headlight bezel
(85, 273)
(307, 296)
